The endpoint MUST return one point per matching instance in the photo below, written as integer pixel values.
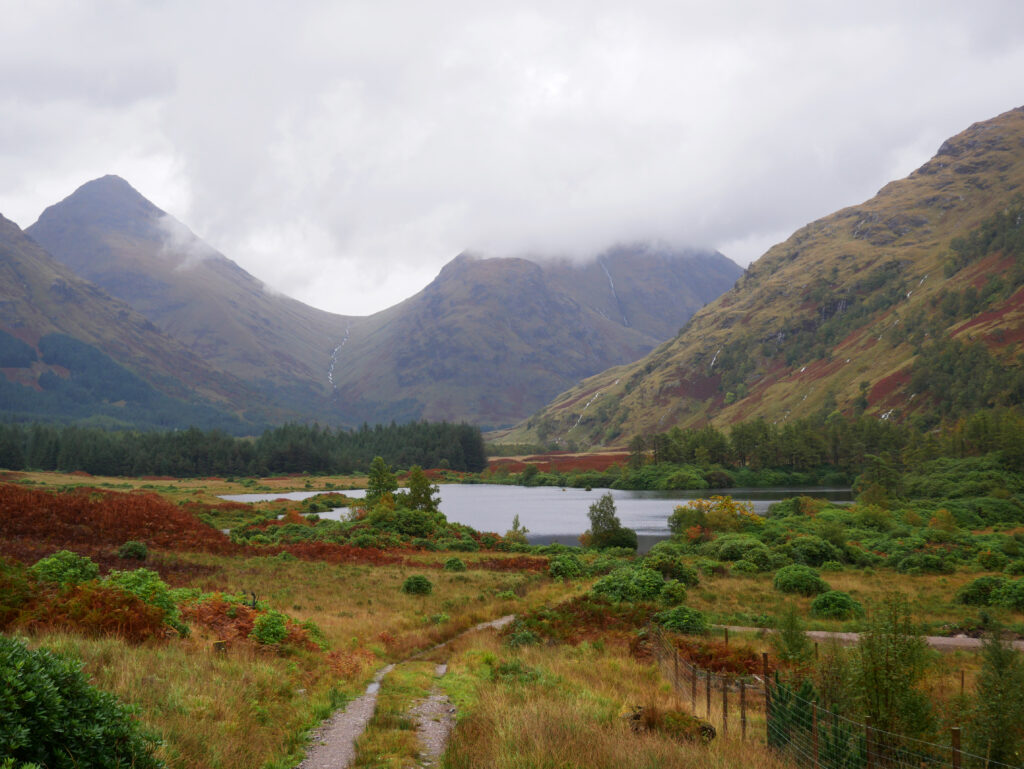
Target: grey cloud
(342, 152)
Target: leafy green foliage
(133, 549)
(148, 586)
(682, 619)
(835, 604)
(380, 480)
(65, 568)
(606, 530)
(269, 628)
(980, 592)
(997, 715)
(421, 494)
(417, 584)
(51, 715)
(631, 583)
(566, 566)
(454, 564)
(801, 579)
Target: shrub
(65, 568)
(831, 566)
(52, 716)
(133, 549)
(269, 628)
(673, 592)
(744, 567)
(812, 550)
(565, 567)
(925, 563)
(364, 540)
(147, 585)
(801, 579)
(1015, 568)
(454, 564)
(522, 638)
(991, 561)
(835, 604)
(1010, 595)
(682, 619)
(630, 584)
(980, 592)
(417, 584)
(14, 590)
(462, 545)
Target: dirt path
(940, 642)
(333, 744)
(435, 719)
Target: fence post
(814, 730)
(726, 638)
(956, 746)
(693, 688)
(961, 683)
(868, 742)
(743, 710)
(707, 681)
(725, 707)
(675, 680)
(767, 698)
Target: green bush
(835, 604)
(269, 628)
(147, 585)
(980, 592)
(682, 619)
(631, 583)
(1010, 595)
(671, 567)
(133, 549)
(799, 578)
(417, 584)
(831, 566)
(925, 563)
(744, 567)
(673, 592)
(1015, 568)
(65, 568)
(811, 550)
(454, 564)
(991, 561)
(565, 567)
(50, 715)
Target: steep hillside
(492, 339)
(70, 351)
(909, 303)
(489, 341)
(112, 236)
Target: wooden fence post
(956, 746)
(767, 698)
(693, 688)
(725, 707)
(743, 710)
(961, 683)
(707, 681)
(814, 731)
(868, 742)
(726, 638)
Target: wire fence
(755, 706)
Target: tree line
(290, 448)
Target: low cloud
(343, 152)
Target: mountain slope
(492, 339)
(868, 308)
(489, 341)
(68, 349)
(112, 236)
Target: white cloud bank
(344, 151)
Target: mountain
(488, 341)
(69, 351)
(906, 306)
(109, 234)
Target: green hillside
(906, 306)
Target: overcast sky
(343, 152)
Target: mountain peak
(109, 201)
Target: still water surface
(553, 514)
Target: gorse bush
(52, 716)
(417, 584)
(800, 579)
(454, 564)
(65, 568)
(980, 592)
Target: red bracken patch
(885, 387)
